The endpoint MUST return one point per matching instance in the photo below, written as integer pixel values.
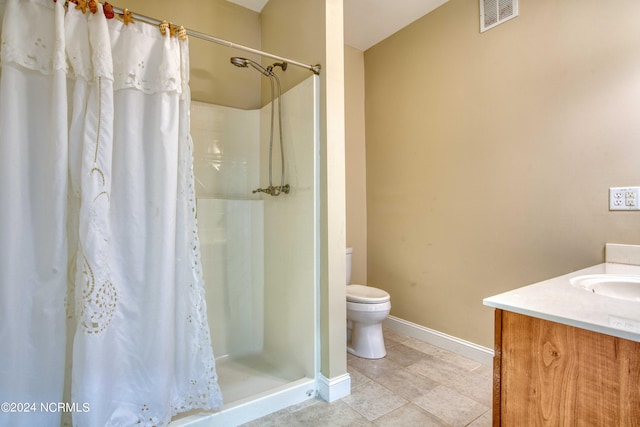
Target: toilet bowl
(367, 307)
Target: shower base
(252, 386)
(242, 377)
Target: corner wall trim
(459, 346)
(335, 388)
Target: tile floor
(416, 384)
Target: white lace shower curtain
(100, 272)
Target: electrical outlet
(624, 198)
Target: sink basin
(626, 287)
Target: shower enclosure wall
(259, 254)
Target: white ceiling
(255, 5)
(367, 22)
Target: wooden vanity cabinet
(550, 374)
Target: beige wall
(332, 197)
(300, 39)
(332, 202)
(489, 156)
(316, 36)
(355, 159)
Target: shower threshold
(252, 386)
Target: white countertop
(559, 301)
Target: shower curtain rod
(314, 68)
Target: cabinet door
(557, 375)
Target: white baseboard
(464, 348)
(335, 388)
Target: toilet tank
(349, 252)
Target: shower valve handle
(274, 191)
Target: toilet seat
(366, 294)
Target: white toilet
(367, 307)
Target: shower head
(239, 62)
(244, 63)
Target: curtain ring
(127, 17)
(93, 6)
(181, 33)
(108, 10)
(82, 5)
(164, 26)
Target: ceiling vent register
(495, 12)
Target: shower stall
(256, 181)
(259, 251)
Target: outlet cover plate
(624, 198)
